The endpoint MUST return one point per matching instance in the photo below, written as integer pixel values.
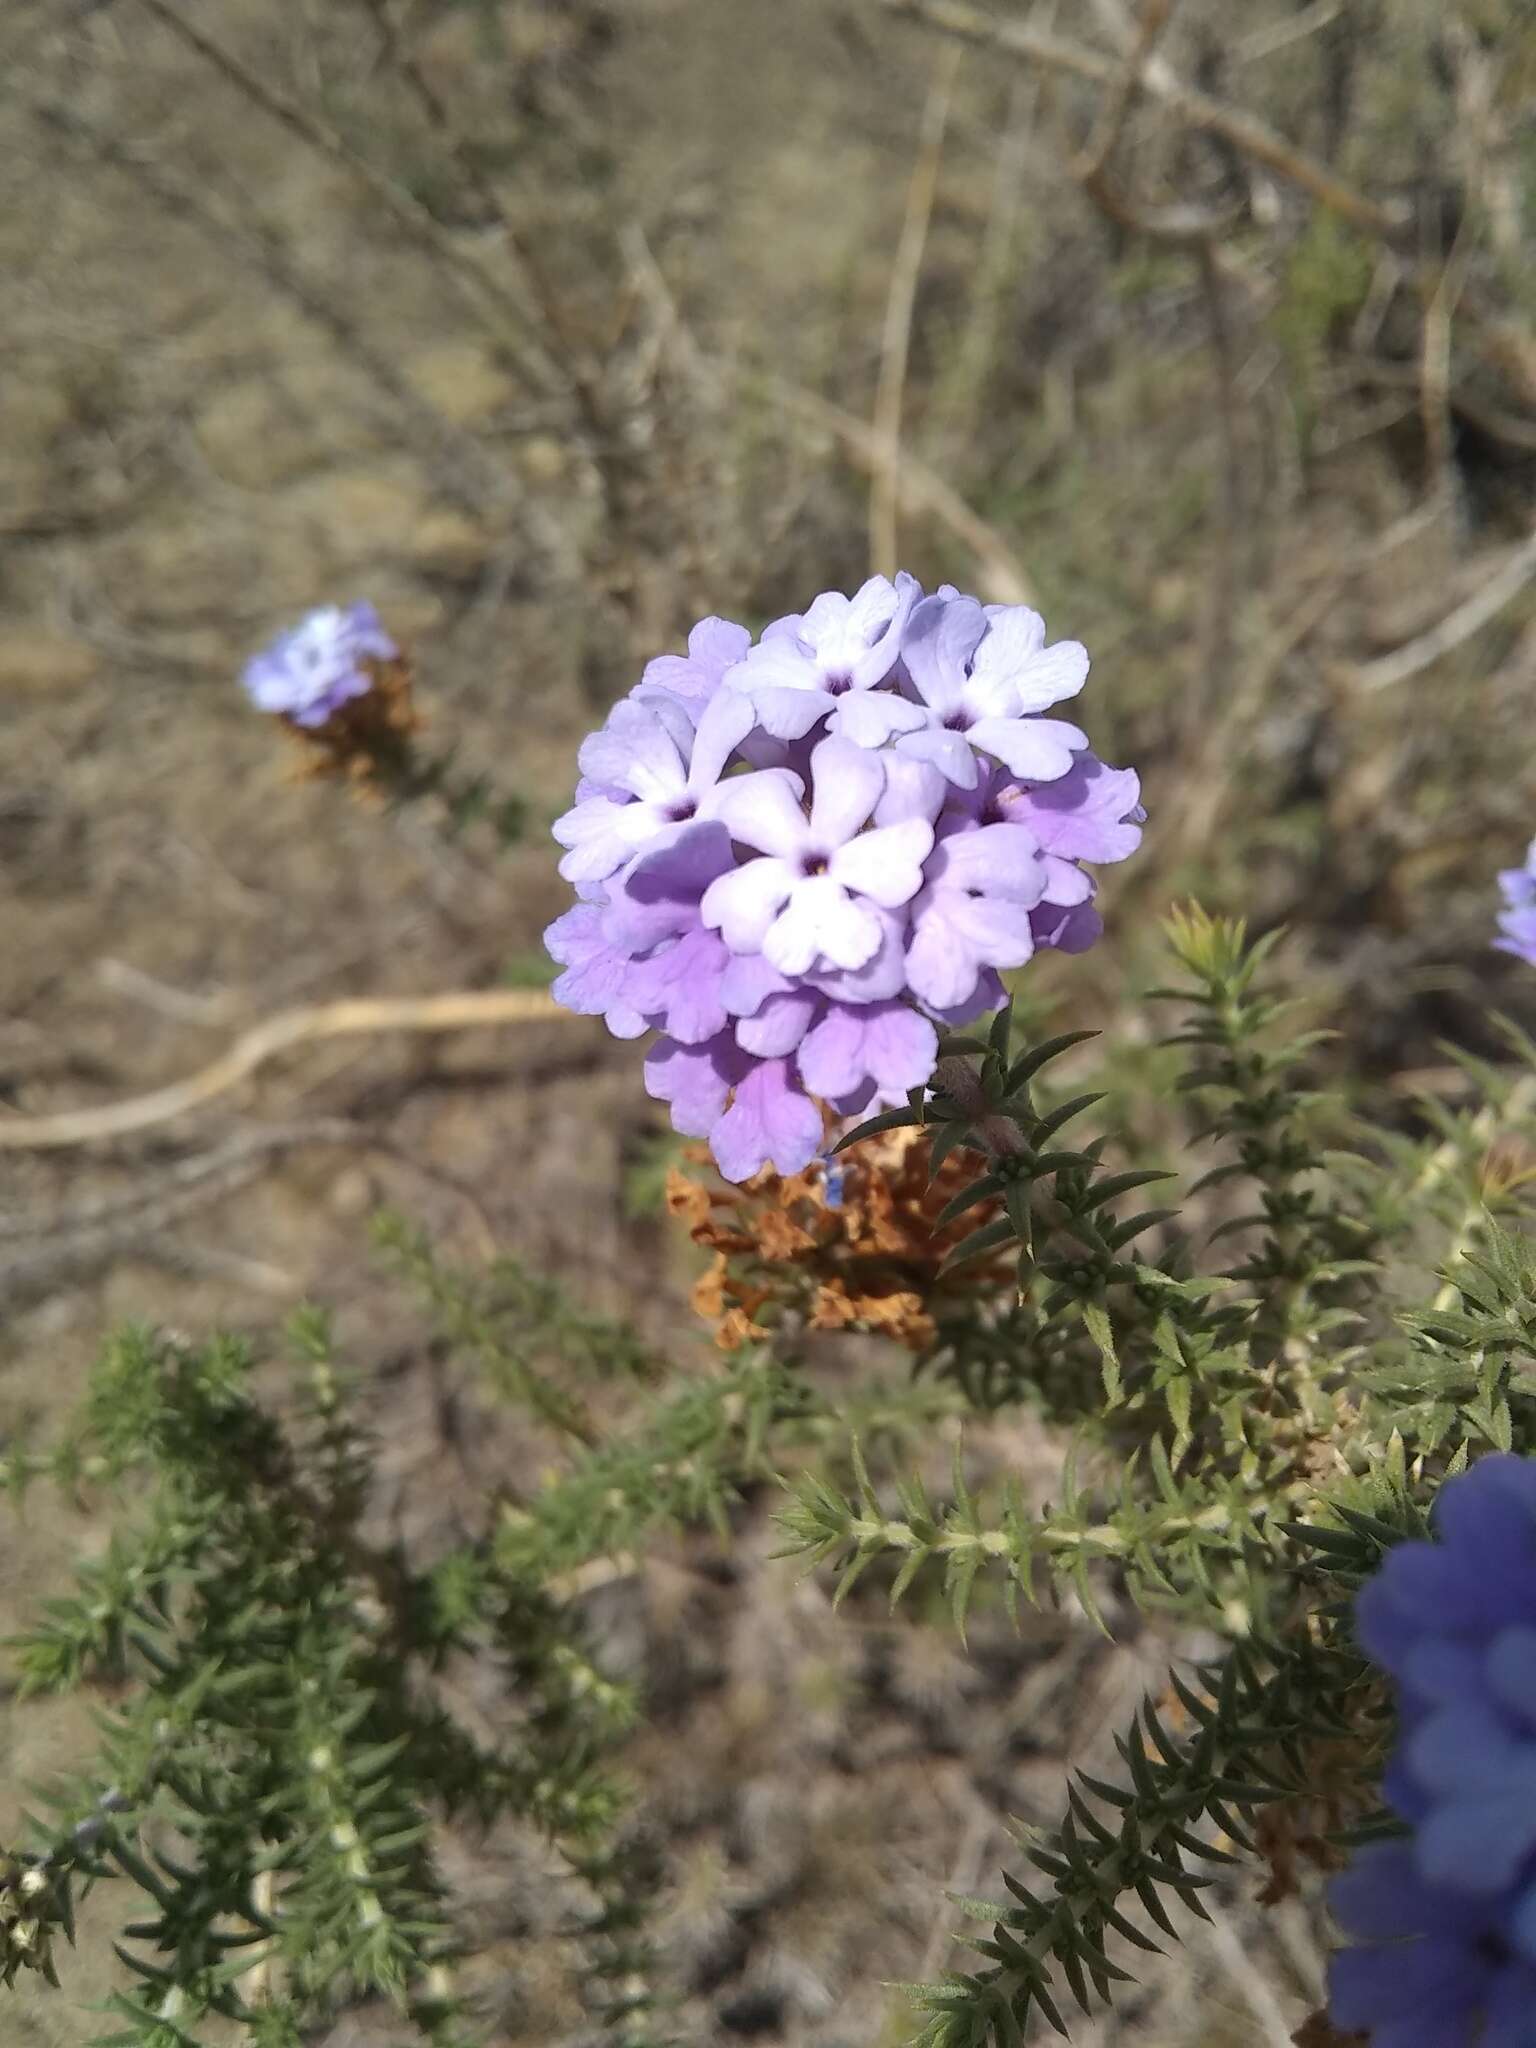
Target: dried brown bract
(367, 741)
(867, 1262)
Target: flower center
(838, 685)
(813, 864)
(683, 808)
(959, 721)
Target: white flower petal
(886, 865)
(763, 810)
(821, 921)
(742, 905)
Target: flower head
(309, 672)
(795, 859)
(1447, 1917)
(1517, 920)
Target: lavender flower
(796, 859)
(1517, 920)
(809, 895)
(982, 673)
(308, 673)
(1447, 1917)
(806, 664)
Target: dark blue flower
(1446, 1918)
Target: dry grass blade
(1484, 605)
(413, 218)
(1245, 131)
(896, 341)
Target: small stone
(38, 662)
(354, 515)
(542, 459)
(353, 1193)
(255, 437)
(449, 543)
(461, 381)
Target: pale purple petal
(950, 753)
(886, 1043)
(763, 810)
(884, 974)
(636, 751)
(785, 712)
(846, 784)
(937, 647)
(870, 717)
(881, 615)
(996, 860)
(714, 645)
(596, 978)
(1055, 673)
(1035, 749)
(743, 905)
(1091, 813)
(1065, 882)
(659, 893)
(749, 982)
(779, 1025)
(886, 864)
(913, 789)
(679, 986)
(695, 1079)
(770, 1123)
(999, 933)
(725, 722)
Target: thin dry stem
(896, 339)
(483, 287)
(1458, 626)
(1245, 131)
(1000, 575)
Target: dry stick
(896, 339)
(977, 349)
(1264, 42)
(433, 106)
(408, 213)
(1229, 500)
(920, 489)
(1245, 131)
(1115, 108)
(1458, 626)
(50, 1249)
(227, 1166)
(1181, 223)
(435, 435)
(577, 376)
(1208, 782)
(1001, 576)
(460, 1011)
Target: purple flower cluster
(795, 859)
(1517, 920)
(308, 673)
(1446, 1918)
